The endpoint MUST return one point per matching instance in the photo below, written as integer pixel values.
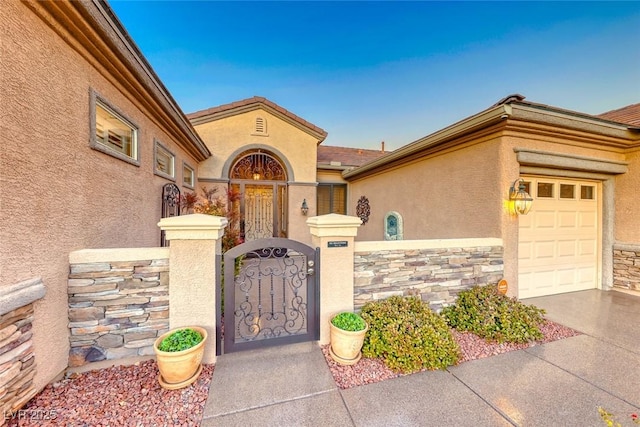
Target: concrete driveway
(556, 384)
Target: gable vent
(261, 125)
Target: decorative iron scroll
(258, 166)
(170, 205)
(363, 210)
(271, 295)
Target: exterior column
(195, 241)
(334, 234)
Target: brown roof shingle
(629, 114)
(346, 156)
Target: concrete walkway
(556, 384)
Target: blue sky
(390, 71)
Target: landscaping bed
(369, 371)
(131, 395)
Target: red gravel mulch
(369, 371)
(131, 395)
(117, 396)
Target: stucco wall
(627, 205)
(59, 195)
(450, 195)
(227, 135)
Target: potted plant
(179, 355)
(347, 337)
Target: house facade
(89, 138)
(581, 171)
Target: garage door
(558, 248)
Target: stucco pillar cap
(193, 227)
(334, 225)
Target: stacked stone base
(17, 361)
(626, 267)
(117, 309)
(435, 275)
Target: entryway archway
(261, 179)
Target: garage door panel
(545, 219)
(544, 249)
(558, 242)
(566, 248)
(567, 219)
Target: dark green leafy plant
(180, 340)
(408, 336)
(349, 322)
(487, 313)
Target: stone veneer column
(336, 264)
(17, 359)
(194, 242)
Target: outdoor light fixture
(304, 208)
(519, 198)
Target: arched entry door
(261, 180)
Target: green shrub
(349, 322)
(180, 340)
(490, 315)
(407, 335)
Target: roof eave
(484, 118)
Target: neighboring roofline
(509, 108)
(252, 104)
(94, 31)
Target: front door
(260, 179)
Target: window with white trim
(112, 133)
(164, 162)
(188, 176)
(331, 198)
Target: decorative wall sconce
(304, 208)
(520, 200)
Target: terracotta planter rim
(158, 340)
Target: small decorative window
(164, 162)
(112, 133)
(587, 192)
(567, 191)
(545, 189)
(188, 176)
(393, 226)
(261, 127)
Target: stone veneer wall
(626, 266)
(118, 302)
(434, 270)
(17, 357)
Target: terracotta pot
(179, 369)
(346, 345)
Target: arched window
(258, 166)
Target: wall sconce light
(520, 200)
(304, 208)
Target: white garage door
(558, 248)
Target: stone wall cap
(193, 222)
(20, 294)
(334, 220)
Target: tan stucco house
(582, 171)
(90, 136)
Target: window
(164, 162)
(112, 133)
(188, 176)
(332, 198)
(545, 189)
(567, 191)
(587, 192)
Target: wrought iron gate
(271, 295)
(170, 205)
